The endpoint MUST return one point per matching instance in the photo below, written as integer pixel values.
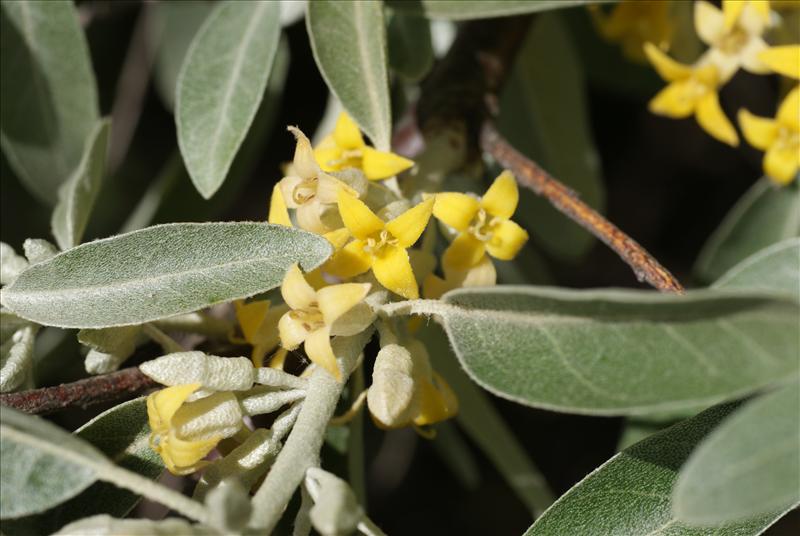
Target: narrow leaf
(221, 85)
(34, 478)
(766, 214)
(17, 337)
(615, 352)
(630, 494)
(543, 112)
(77, 195)
(410, 46)
(49, 98)
(174, 25)
(776, 268)
(348, 39)
(103, 525)
(120, 433)
(160, 271)
(749, 466)
(481, 9)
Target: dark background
(668, 185)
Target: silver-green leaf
(348, 39)
(159, 272)
(33, 477)
(776, 268)
(615, 352)
(122, 434)
(766, 214)
(410, 46)
(104, 525)
(630, 495)
(749, 466)
(221, 85)
(481, 9)
(49, 99)
(77, 195)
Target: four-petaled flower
(483, 224)
(307, 189)
(692, 90)
(779, 138)
(632, 23)
(313, 315)
(345, 148)
(184, 433)
(734, 35)
(380, 245)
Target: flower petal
(393, 270)
(708, 21)
(357, 216)
(291, 331)
(336, 300)
(296, 291)
(434, 286)
(309, 217)
(250, 316)
(305, 165)
(456, 209)
(482, 274)
(789, 110)
(465, 251)
(436, 404)
(278, 359)
(319, 351)
(287, 187)
(379, 165)
(506, 241)
(349, 261)
(183, 457)
(502, 196)
(760, 132)
(750, 59)
(781, 163)
(714, 121)
(162, 405)
(732, 10)
(337, 238)
(278, 213)
(408, 226)
(328, 189)
(346, 133)
(669, 69)
(329, 157)
(674, 101)
(783, 60)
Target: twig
(125, 383)
(530, 175)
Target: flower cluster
(736, 39)
(384, 248)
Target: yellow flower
(345, 148)
(632, 23)
(259, 323)
(734, 35)
(307, 189)
(313, 316)
(779, 138)
(184, 433)
(380, 245)
(483, 224)
(692, 90)
(783, 60)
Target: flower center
(733, 41)
(310, 318)
(305, 191)
(482, 225)
(375, 244)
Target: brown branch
(531, 176)
(125, 383)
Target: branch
(533, 177)
(125, 383)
